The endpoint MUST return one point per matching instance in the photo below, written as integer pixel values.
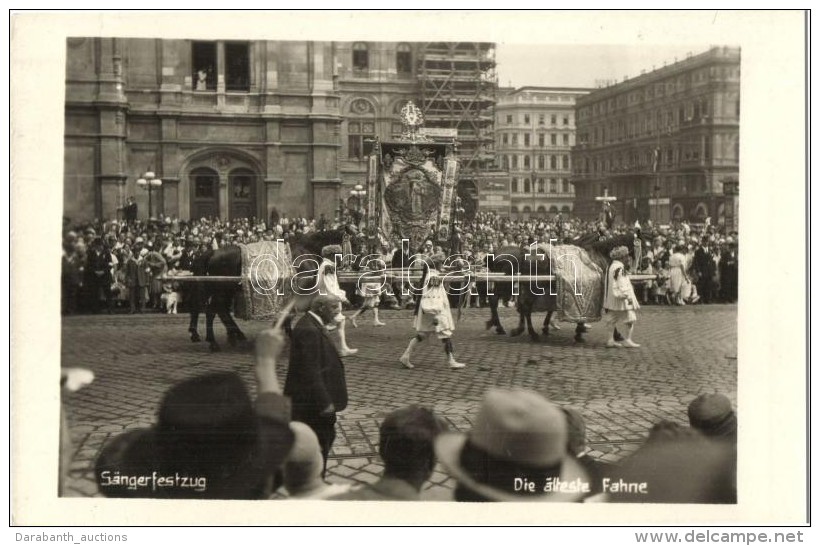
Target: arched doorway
(677, 212)
(241, 194)
(701, 213)
(204, 193)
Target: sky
(519, 65)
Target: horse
(218, 297)
(532, 296)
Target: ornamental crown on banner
(411, 183)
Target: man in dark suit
(130, 210)
(316, 376)
(704, 264)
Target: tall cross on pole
(606, 197)
(607, 214)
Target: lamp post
(149, 181)
(359, 193)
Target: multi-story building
(375, 79)
(232, 128)
(665, 144)
(534, 133)
(240, 128)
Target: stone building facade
(232, 128)
(534, 132)
(664, 144)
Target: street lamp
(358, 192)
(149, 181)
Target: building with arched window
(233, 128)
(665, 144)
(238, 128)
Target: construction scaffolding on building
(458, 91)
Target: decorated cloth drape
(579, 284)
(266, 272)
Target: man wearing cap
(712, 415)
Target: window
(527, 140)
(553, 119)
(237, 66)
(541, 119)
(358, 133)
(565, 139)
(553, 186)
(242, 184)
(540, 185)
(203, 61)
(515, 162)
(505, 162)
(553, 139)
(515, 185)
(505, 138)
(527, 185)
(565, 162)
(566, 120)
(565, 186)
(404, 60)
(541, 140)
(541, 162)
(527, 119)
(205, 183)
(707, 147)
(361, 58)
(526, 162)
(509, 118)
(515, 139)
(553, 162)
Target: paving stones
(685, 352)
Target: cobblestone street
(621, 392)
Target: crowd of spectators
(117, 264)
(521, 447)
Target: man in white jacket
(620, 302)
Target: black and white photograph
(360, 265)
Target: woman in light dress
(677, 275)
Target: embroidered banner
(266, 271)
(448, 184)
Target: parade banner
(448, 189)
(372, 178)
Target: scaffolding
(458, 91)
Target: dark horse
(534, 296)
(217, 297)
